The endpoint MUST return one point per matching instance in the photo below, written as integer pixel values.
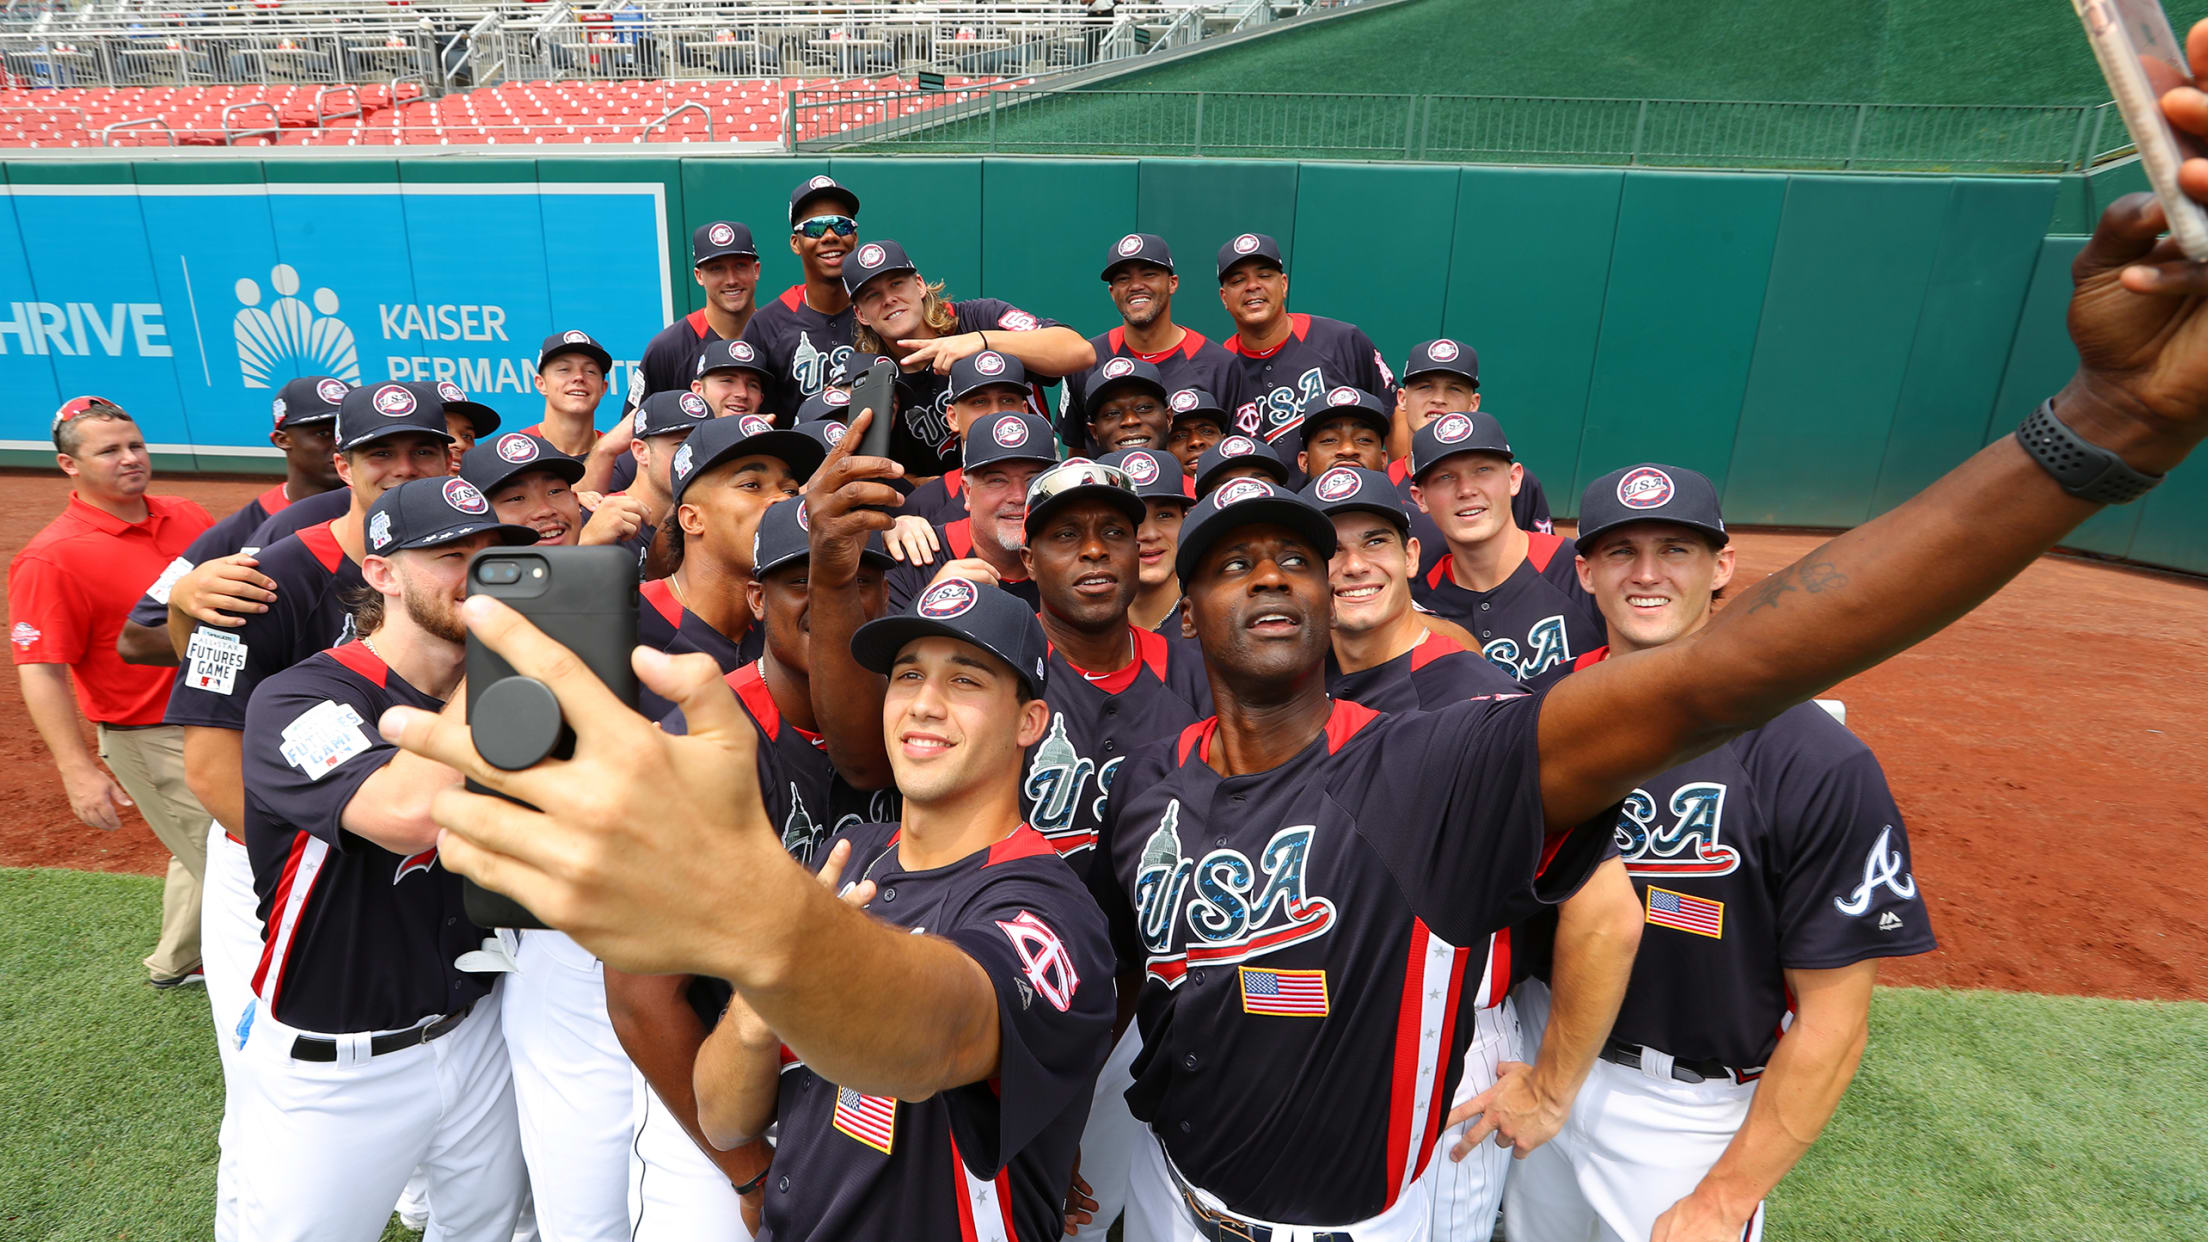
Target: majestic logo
(1056, 778)
(871, 255)
(990, 363)
(1043, 958)
(682, 459)
(516, 448)
(1453, 429)
(415, 863)
(290, 336)
(1009, 431)
(1246, 244)
(1235, 491)
(393, 400)
(1141, 467)
(464, 496)
(1128, 245)
(1118, 367)
(1442, 351)
(693, 405)
(1345, 395)
(1240, 910)
(1645, 488)
(449, 391)
(754, 425)
(573, 337)
(1547, 645)
(1883, 867)
(379, 530)
(1237, 446)
(720, 234)
(946, 599)
(1692, 842)
(1340, 483)
(1184, 401)
(331, 390)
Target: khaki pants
(149, 765)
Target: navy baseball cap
(1238, 450)
(1078, 478)
(423, 513)
(1249, 246)
(822, 186)
(490, 463)
(1248, 502)
(1343, 402)
(732, 356)
(310, 399)
(719, 238)
(994, 620)
(1443, 354)
(1195, 402)
(828, 403)
(1153, 475)
(574, 341)
(826, 432)
(725, 439)
(378, 411)
(1472, 431)
(1344, 489)
(871, 260)
(1650, 493)
(1125, 372)
(1148, 247)
(480, 416)
(986, 369)
(677, 409)
(1014, 435)
(786, 535)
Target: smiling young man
(1287, 359)
(1443, 377)
(573, 372)
(1199, 421)
(982, 385)
(904, 316)
(725, 264)
(530, 483)
(1138, 274)
(1127, 406)
(733, 380)
(1166, 495)
(805, 331)
(1513, 590)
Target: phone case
(873, 392)
(2142, 57)
(586, 601)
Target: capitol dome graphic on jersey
(288, 336)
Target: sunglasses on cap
(818, 226)
(79, 405)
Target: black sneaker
(195, 977)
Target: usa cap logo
(1184, 401)
(1118, 367)
(1344, 395)
(1645, 488)
(1129, 244)
(449, 391)
(820, 183)
(1340, 483)
(804, 517)
(871, 255)
(753, 425)
(331, 390)
(682, 459)
(692, 404)
(1141, 467)
(1238, 490)
(948, 598)
(834, 431)
(1453, 429)
(1237, 446)
(836, 396)
(990, 363)
(464, 496)
(572, 337)
(517, 448)
(1245, 244)
(379, 530)
(740, 351)
(1009, 431)
(720, 234)
(1442, 351)
(393, 400)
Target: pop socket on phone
(516, 723)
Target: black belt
(1216, 1226)
(317, 1048)
(1618, 1052)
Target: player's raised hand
(972, 568)
(847, 500)
(1514, 1111)
(912, 539)
(937, 353)
(648, 838)
(614, 519)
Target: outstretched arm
(848, 500)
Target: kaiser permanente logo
(289, 336)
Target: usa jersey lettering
(1689, 844)
(1227, 923)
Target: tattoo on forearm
(1815, 577)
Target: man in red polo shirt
(69, 590)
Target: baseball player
(904, 316)
(658, 429)
(1166, 495)
(1127, 406)
(1001, 456)
(1774, 872)
(1138, 273)
(466, 420)
(531, 483)
(1346, 427)
(982, 385)
(573, 373)
(1514, 590)
(1238, 457)
(370, 1051)
(305, 416)
(681, 1186)
(1199, 421)
(802, 333)
(1286, 359)
(732, 379)
(726, 265)
(964, 1125)
(1443, 377)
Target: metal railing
(1464, 129)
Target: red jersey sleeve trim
(358, 658)
(959, 538)
(1440, 572)
(1197, 738)
(793, 297)
(1192, 343)
(1116, 338)
(1152, 650)
(1024, 842)
(322, 541)
(696, 320)
(274, 500)
(1433, 647)
(750, 685)
(1399, 470)
(1344, 722)
(1541, 549)
(662, 599)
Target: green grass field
(1976, 1116)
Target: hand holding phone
(2143, 59)
(875, 391)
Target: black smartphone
(875, 391)
(585, 600)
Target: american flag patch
(1687, 913)
(1284, 993)
(871, 1119)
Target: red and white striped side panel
(1433, 980)
(293, 888)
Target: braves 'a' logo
(1236, 909)
(1883, 867)
(1692, 842)
(1547, 645)
(413, 863)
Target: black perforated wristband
(2084, 469)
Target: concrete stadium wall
(1821, 345)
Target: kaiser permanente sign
(190, 305)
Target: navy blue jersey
(1305, 1003)
(1782, 849)
(988, 1160)
(1538, 618)
(1096, 721)
(1318, 356)
(663, 624)
(221, 666)
(922, 441)
(939, 500)
(1529, 509)
(1432, 675)
(955, 541)
(220, 540)
(354, 937)
(1197, 362)
(298, 515)
(670, 358)
(800, 348)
